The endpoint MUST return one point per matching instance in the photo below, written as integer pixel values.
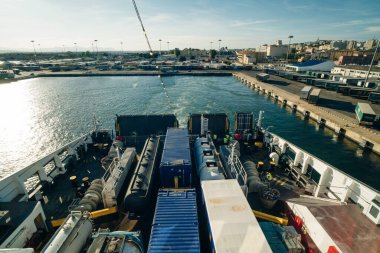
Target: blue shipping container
(175, 166)
(175, 223)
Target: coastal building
(338, 44)
(277, 50)
(355, 59)
(325, 47)
(335, 54)
(262, 48)
(369, 44)
(351, 45)
(356, 71)
(314, 65)
(250, 56)
(299, 47)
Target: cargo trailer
(232, 225)
(314, 96)
(343, 88)
(350, 80)
(359, 92)
(281, 73)
(175, 166)
(374, 97)
(310, 81)
(175, 222)
(262, 77)
(335, 78)
(270, 71)
(332, 85)
(305, 92)
(325, 75)
(365, 114)
(319, 82)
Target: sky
(58, 24)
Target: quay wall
(341, 124)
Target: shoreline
(118, 73)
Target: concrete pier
(340, 123)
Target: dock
(341, 124)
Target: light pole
(168, 45)
(160, 45)
(219, 48)
(39, 46)
(34, 49)
(76, 48)
(211, 49)
(96, 45)
(287, 54)
(63, 48)
(121, 47)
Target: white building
(277, 50)
(314, 65)
(356, 71)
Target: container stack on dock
(175, 166)
(175, 223)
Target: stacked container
(175, 223)
(175, 166)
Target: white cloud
(372, 29)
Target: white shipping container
(305, 92)
(233, 226)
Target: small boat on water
(149, 188)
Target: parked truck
(305, 92)
(374, 97)
(262, 77)
(314, 96)
(365, 114)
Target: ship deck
(348, 227)
(60, 195)
(345, 224)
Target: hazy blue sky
(185, 23)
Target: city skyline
(113, 25)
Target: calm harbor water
(42, 114)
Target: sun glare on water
(16, 123)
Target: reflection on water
(40, 115)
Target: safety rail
(237, 169)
